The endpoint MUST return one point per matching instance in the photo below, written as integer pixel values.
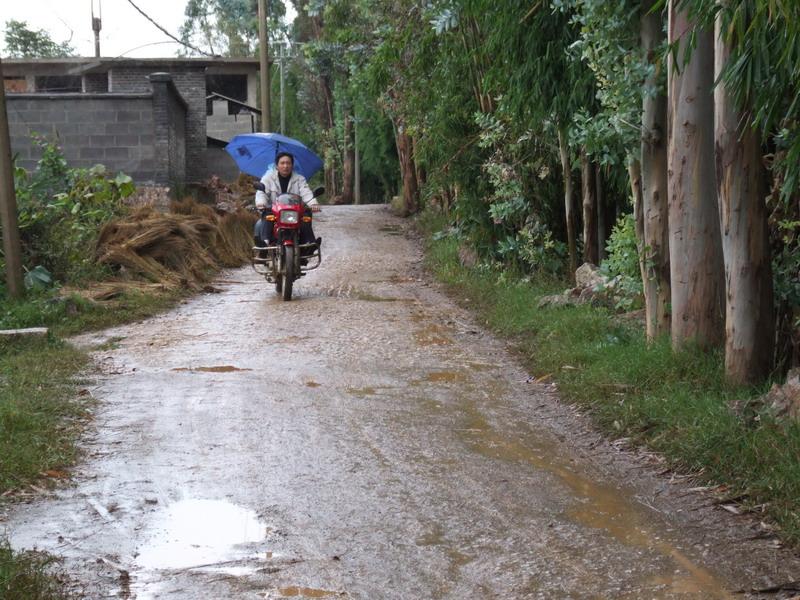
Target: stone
(30, 332)
(588, 275)
(784, 400)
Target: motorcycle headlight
(289, 217)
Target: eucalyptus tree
(695, 246)
(228, 27)
(761, 80)
(654, 208)
(742, 189)
(622, 43)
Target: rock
(784, 400)
(23, 333)
(467, 256)
(588, 276)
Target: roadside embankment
(676, 404)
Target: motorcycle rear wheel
(287, 274)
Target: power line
(167, 33)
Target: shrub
(61, 210)
(622, 265)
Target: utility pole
(283, 98)
(263, 43)
(357, 190)
(8, 205)
(97, 25)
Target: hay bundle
(184, 247)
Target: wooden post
(8, 205)
(263, 42)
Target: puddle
(367, 297)
(445, 377)
(291, 339)
(362, 392)
(304, 592)
(220, 369)
(599, 507)
(432, 335)
(199, 533)
(313, 384)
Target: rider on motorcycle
(282, 180)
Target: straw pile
(184, 247)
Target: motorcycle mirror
(319, 191)
(259, 186)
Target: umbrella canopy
(254, 153)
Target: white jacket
(297, 185)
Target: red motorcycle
(286, 259)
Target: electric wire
(167, 33)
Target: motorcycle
(286, 260)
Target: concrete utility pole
(8, 205)
(283, 98)
(263, 36)
(357, 190)
(97, 25)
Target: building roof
(77, 65)
(234, 101)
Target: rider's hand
(316, 208)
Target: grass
(42, 409)
(676, 403)
(29, 576)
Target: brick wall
(169, 117)
(115, 130)
(190, 81)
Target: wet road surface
(366, 440)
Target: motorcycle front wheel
(287, 274)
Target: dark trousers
(264, 232)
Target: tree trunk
(635, 176)
(657, 293)
(422, 176)
(741, 185)
(407, 171)
(603, 214)
(589, 210)
(695, 245)
(348, 160)
(569, 209)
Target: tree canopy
(23, 42)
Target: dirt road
(366, 440)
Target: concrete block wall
(222, 126)
(115, 130)
(190, 81)
(170, 117)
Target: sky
(125, 32)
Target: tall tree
(229, 27)
(741, 185)
(655, 230)
(23, 42)
(697, 272)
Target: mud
(366, 440)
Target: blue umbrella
(254, 153)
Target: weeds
(29, 576)
(675, 403)
(40, 408)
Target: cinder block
(91, 153)
(130, 139)
(116, 152)
(128, 116)
(102, 140)
(116, 128)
